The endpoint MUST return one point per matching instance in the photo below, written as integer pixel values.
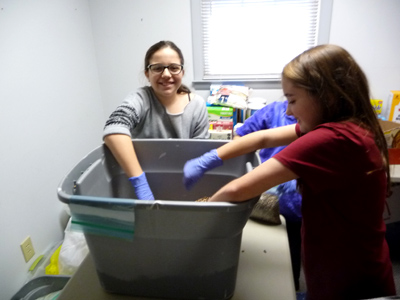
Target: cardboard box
(392, 135)
(220, 134)
(220, 113)
(221, 130)
(221, 125)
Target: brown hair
(334, 79)
(166, 44)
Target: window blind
(254, 39)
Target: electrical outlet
(27, 249)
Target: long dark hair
(332, 76)
(166, 44)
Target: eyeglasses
(174, 69)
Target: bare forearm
(122, 148)
(257, 140)
(254, 183)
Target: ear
(146, 73)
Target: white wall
(123, 31)
(51, 116)
(369, 29)
(62, 62)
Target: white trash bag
(73, 250)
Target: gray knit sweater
(141, 115)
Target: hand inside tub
(141, 186)
(195, 168)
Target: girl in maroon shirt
(338, 154)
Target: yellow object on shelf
(377, 105)
(394, 106)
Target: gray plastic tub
(172, 247)
(41, 287)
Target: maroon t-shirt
(343, 181)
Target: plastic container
(253, 105)
(172, 247)
(40, 287)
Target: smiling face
(302, 106)
(165, 84)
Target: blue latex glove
(195, 168)
(141, 186)
(287, 187)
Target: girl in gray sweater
(166, 109)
